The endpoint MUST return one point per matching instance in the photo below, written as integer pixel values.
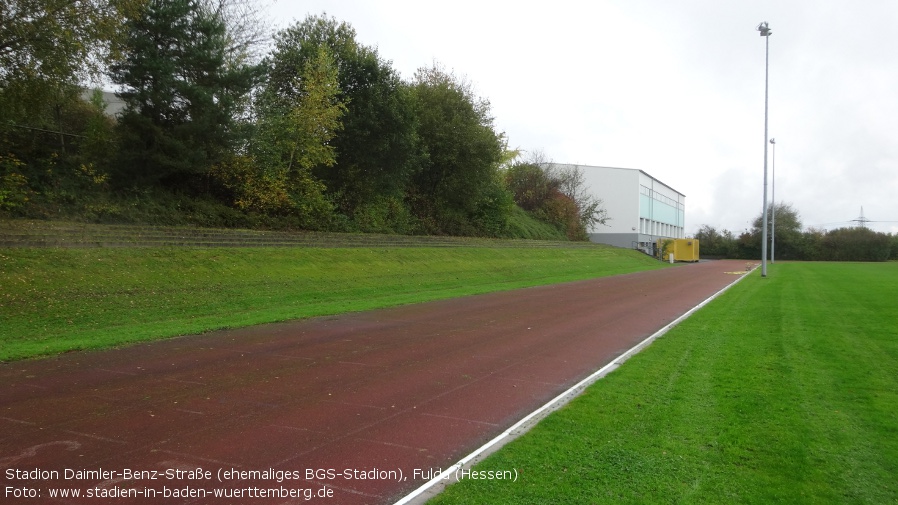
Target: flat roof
(623, 168)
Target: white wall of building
(640, 208)
(114, 104)
(618, 190)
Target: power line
(861, 220)
(45, 131)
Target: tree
(589, 207)
(812, 242)
(293, 136)
(247, 39)
(530, 185)
(715, 243)
(459, 184)
(555, 194)
(376, 147)
(785, 228)
(855, 244)
(48, 48)
(246, 32)
(181, 94)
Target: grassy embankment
(57, 300)
(784, 390)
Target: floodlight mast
(764, 28)
(773, 206)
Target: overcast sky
(674, 88)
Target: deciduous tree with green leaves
(855, 244)
(716, 243)
(459, 189)
(293, 136)
(784, 221)
(49, 48)
(376, 148)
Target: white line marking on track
(435, 485)
(460, 419)
(18, 421)
(95, 437)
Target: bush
(856, 244)
(14, 190)
(843, 244)
(521, 224)
(557, 195)
(384, 215)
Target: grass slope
(57, 300)
(784, 390)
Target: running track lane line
(437, 484)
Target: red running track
(338, 406)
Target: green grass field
(784, 390)
(58, 300)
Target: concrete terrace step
(28, 233)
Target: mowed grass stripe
(783, 390)
(57, 300)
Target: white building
(640, 208)
(114, 105)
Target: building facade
(640, 208)
(114, 105)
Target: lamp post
(765, 32)
(773, 197)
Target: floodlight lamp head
(764, 29)
(773, 141)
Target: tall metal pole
(773, 206)
(765, 32)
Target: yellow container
(683, 249)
